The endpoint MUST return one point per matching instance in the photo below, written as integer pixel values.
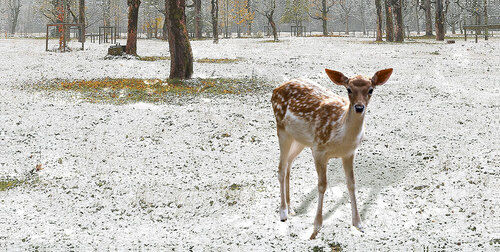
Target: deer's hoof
(317, 228)
(283, 214)
(359, 227)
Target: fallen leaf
(39, 167)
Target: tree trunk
(215, 20)
(428, 18)
(249, 22)
(486, 19)
(379, 20)
(81, 20)
(417, 18)
(273, 26)
(164, 30)
(133, 14)
(324, 18)
(439, 20)
(15, 9)
(363, 21)
(398, 15)
(453, 28)
(389, 26)
(181, 63)
(198, 25)
(106, 13)
(347, 24)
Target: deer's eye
(370, 91)
(349, 91)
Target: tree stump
(116, 50)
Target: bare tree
(472, 7)
(362, 15)
(215, 19)
(296, 12)
(486, 18)
(320, 10)
(14, 9)
(133, 15)
(269, 6)
(453, 17)
(346, 7)
(249, 23)
(417, 17)
(106, 12)
(181, 56)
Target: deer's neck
(353, 124)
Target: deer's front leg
(347, 163)
(320, 161)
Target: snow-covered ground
(203, 175)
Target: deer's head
(359, 88)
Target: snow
(149, 176)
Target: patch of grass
(122, 91)
(406, 42)
(434, 37)
(271, 41)
(153, 58)
(10, 183)
(200, 39)
(434, 53)
(336, 247)
(218, 61)
(235, 187)
(328, 36)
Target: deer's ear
(381, 76)
(337, 77)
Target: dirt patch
(218, 61)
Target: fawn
(332, 126)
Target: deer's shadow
(375, 174)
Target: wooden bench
(485, 28)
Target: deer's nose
(359, 108)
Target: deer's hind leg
(295, 149)
(285, 141)
(321, 161)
